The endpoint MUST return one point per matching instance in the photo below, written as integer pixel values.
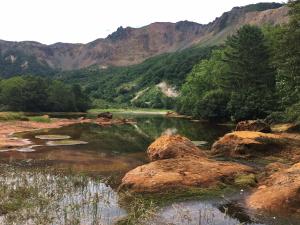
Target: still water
(109, 151)
(113, 149)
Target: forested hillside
(120, 85)
(255, 75)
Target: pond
(106, 153)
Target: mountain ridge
(129, 46)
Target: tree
(250, 79)
(12, 93)
(61, 98)
(203, 83)
(287, 59)
(82, 101)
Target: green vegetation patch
(8, 116)
(39, 119)
(141, 207)
(245, 180)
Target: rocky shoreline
(177, 164)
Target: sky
(82, 21)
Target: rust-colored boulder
(279, 194)
(190, 171)
(243, 144)
(253, 125)
(172, 146)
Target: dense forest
(256, 74)
(37, 94)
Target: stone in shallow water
(52, 137)
(65, 142)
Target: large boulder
(189, 171)
(253, 125)
(244, 144)
(172, 146)
(280, 193)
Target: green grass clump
(245, 180)
(11, 116)
(141, 207)
(39, 119)
(16, 199)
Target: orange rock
(172, 146)
(253, 125)
(246, 144)
(281, 192)
(189, 171)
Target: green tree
(61, 98)
(251, 79)
(12, 93)
(203, 83)
(82, 101)
(287, 58)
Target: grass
(11, 116)
(246, 180)
(43, 196)
(39, 119)
(141, 207)
(20, 116)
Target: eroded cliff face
(128, 46)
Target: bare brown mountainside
(129, 46)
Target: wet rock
(244, 144)
(253, 125)
(189, 171)
(280, 193)
(106, 115)
(172, 146)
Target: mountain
(129, 46)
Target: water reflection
(195, 213)
(114, 149)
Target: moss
(245, 180)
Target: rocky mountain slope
(128, 46)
